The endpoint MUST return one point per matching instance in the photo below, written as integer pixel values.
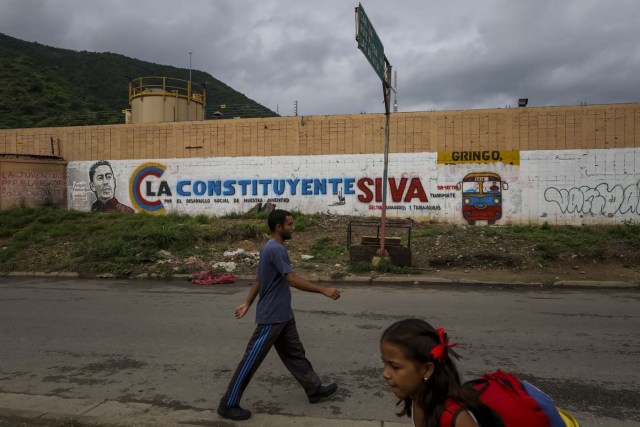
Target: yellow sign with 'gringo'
(488, 156)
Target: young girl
(420, 372)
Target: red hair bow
(439, 352)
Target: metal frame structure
(378, 226)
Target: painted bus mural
(482, 197)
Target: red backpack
(515, 403)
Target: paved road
(174, 345)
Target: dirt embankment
(459, 252)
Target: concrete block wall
(562, 165)
(29, 182)
(526, 129)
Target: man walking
(276, 325)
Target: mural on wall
(347, 185)
(337, 184)
(559, 187)
(600, 200)
(102, 182)
(151, 192)
(482, 197)
(99, 195)
(150, 200)
(481, 191)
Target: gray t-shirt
(274, 305)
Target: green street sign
(369, 42)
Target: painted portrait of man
(103, 184)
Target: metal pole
(386, 90)
(190, 52)
(189, 90)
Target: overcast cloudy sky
(458, 54)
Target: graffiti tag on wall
(596, 201)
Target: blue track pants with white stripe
(284, 337)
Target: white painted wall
(560, 187)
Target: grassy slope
(46, 239)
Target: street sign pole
(371, 46)
(386, 89)
(369, 42)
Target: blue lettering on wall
(180, 188)
(293, 183)
(348, 186)
(278, 186)
(319, 186)
(229, 189)
(244, 183)
(215, 188)
(264, 187)
(199, 188)
(306, 187)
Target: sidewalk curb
(594, 284)
(64, 274)
(416, 280)
(113, 412)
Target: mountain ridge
(44, 86)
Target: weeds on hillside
(588, 241)
(48, 239)
(323, 251)
(114, 243)
(519, 246)
(431, 232)
(326, 250)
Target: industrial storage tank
(164, 99)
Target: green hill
(46, 86)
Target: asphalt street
(173, 345)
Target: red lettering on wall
(366, 195)
(416, 190)
(397, 190)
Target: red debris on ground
(208, 277)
